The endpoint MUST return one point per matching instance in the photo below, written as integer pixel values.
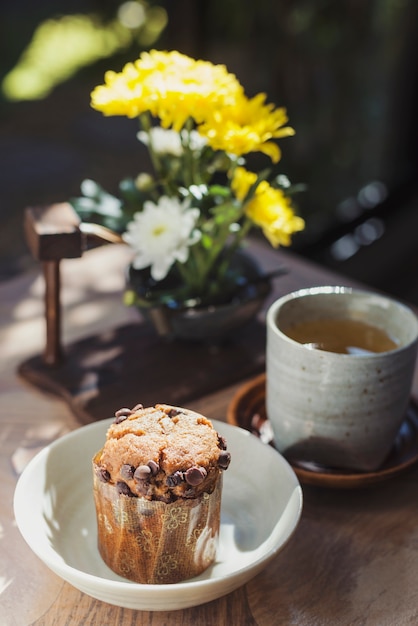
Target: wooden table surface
(353, 559)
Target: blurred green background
(346, 72)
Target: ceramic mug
(339, 410)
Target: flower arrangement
(186, 219)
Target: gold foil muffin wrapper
(155, 542)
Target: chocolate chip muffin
(157, 490)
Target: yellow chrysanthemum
(270, 209)
(170, 85)
(242, 181)
(122, 94)
(160, 61)
(196, 94)
(186, 88)
(177, 99)
(246, 126)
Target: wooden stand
(129, 364)
(53, 233)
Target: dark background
(346, 72)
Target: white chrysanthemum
(164, 141)
(161, 234)
(196, 141)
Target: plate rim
(52, 558)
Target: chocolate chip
(123, 489)
(154, 467)
(221, 442)
(175, 479)
(173, 413)
(103, 474)
(123, 411)
(195, 475)
(137, 407)
(127, 471)
(142, 472)
(121, 415)
(224, 460)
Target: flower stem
(189, 171)
(145, 121)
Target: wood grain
(131, 364)
(229, 610)
(352, 561)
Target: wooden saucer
(247, 410)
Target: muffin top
(161, 453)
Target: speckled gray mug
(338, 410)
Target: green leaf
(226, 213)
(206, 241)
(219, 190)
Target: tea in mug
(344, 336)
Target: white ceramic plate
(54, 510)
